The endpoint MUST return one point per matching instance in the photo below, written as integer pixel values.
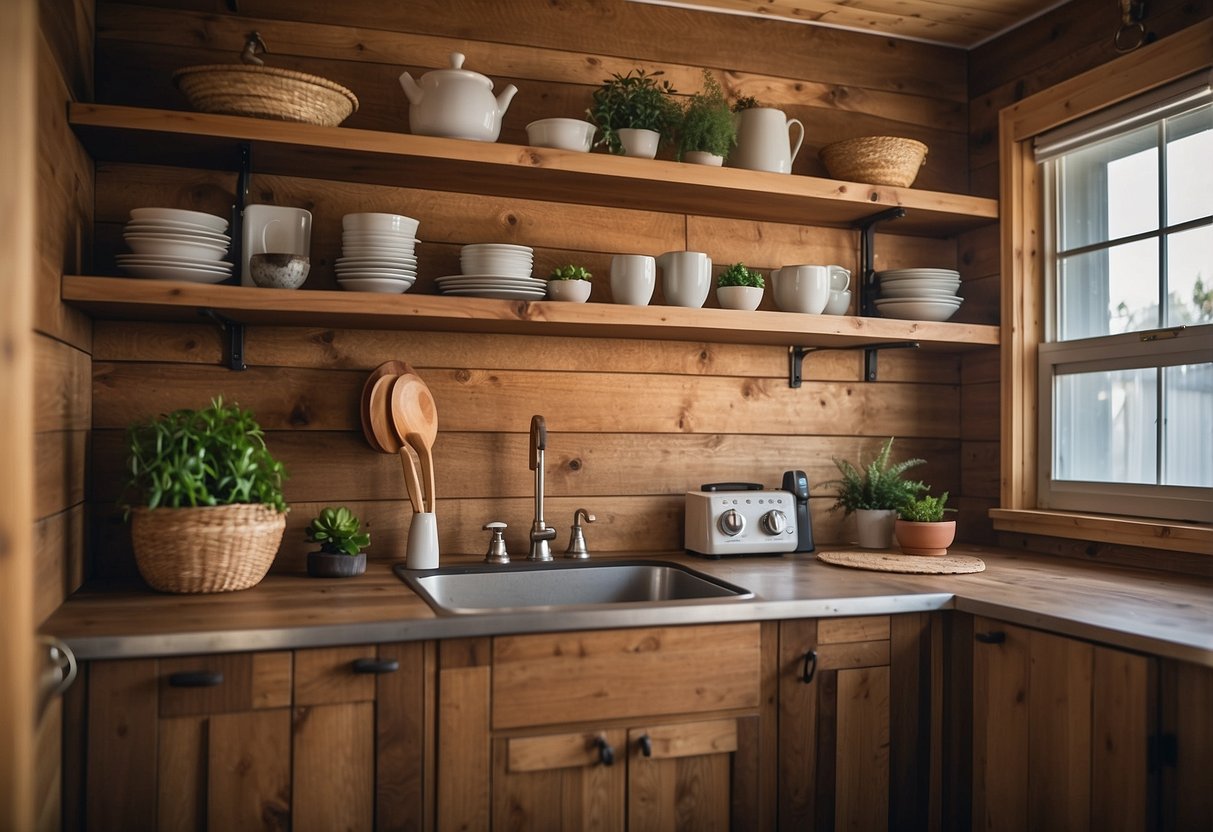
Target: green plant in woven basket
(738, 275)
(876, 485)
(636, 100)
(337, 530)
(927, 509)
(211, 457)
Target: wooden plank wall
(1068, 40)
(633, 424)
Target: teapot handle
(799, 138)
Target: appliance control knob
(731, 522)
(774, 522)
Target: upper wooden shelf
(171, 137)
(151, 300)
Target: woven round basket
(206, 549)
(265, 92)
(877, 160)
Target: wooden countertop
(1152, 612)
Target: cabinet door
(560, 782)
(679, 776)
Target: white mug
(839, 302)
(840, 278)
(686, 277)
(633, 277)
(802, 288)
(274, 229)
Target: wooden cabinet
(855, 727)
(316, 739)
(655, 728)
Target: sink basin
(523, 586)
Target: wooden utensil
(413, 407)
(392, 368)
(383, 431)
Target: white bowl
(839, 302)
(207, 221)
(497, 247)
(576, 291)
(562, 133)
(935, 309)
(371, 221)
(917, 292)
(383, 285)
(176, 248)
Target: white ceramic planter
(639, 143)
(875, 527)
(702, 157)
(576, 291)
(739, 297)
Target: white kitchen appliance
(737, 519)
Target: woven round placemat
(881, 561)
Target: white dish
(380, 222)
(925, 281)
(150, 229)
(456, 280)
(918, 273)
(502, 294)
(176, 273)
(175, 248)
(393, 262)
(209, 222)
(369, 250)
(382, 285)
(908, 292)
(471, 247)
(165, 260)
(377, 237)
(917, 310)
(395, 274)
(562, 133)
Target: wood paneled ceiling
(962, 23)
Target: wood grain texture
(687, 785)
(249, 770)
(1124, 688)
(405, 719)
(862, 762)
(1187, 695)
(181, 776)
(250, 681)
(122, 733)
(327, 676)
(58, 559)
(464, 760)
(914, 723)
(797, 726)
(333, 768)
(1059, 731)
(1000, 728)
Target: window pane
(1190, 276)
(1110, 189)
(1189, 170)
(1104, 426)
(1188, 399)
(1109, 291)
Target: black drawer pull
(810, 667)
(646, 745)
(376, 665)
(196, 679)
(995, 637)
(606, 754)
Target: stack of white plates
(918, 294)
(175, 244)
(378, 253)
(495, 270)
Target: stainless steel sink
(526, 586)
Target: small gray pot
(324, 565)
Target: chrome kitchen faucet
(540, 532)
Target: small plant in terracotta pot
(920, 528)
(341, 541)
(571, 283)
(874, 492)
(739, 288)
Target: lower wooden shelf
(117, 298)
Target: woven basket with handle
(265, 92)
(877, 160)
(206, 549)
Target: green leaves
(637, 100)
(708, 124)
(211, 457)
(569, 272)
(927, 510)
(336, 530)
(738, 275)
(878, 485)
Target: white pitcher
(764, 140)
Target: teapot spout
(504, 98)
(411, 88)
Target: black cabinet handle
(809, 668)
(994, 637)
(196, 679)
(646, 745)
(606, 754)
(376, 666)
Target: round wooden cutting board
(889, 561)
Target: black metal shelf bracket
(235, 338)
(867, 257)
(796, 356)
(237, 219)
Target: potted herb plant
(634, 112)
(571, 283)
(207, 511)
(341, 544)
(739, 288)
(708, 129)
(874, 492)
(920, 528)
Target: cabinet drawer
(338, 674)
(225, 683)
(551, 679)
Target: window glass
(1104, 426)
(1188, 404)
(1108, 291)
(1190, 276)
(1109, 190)
(1190, 167)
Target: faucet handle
(539, 439)
(497, 552)
(577, 548)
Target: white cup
(422, 551)
(633, 277)
(274, 229)
(839, 302)
(686, 277)
(802, 288)
(840, 278)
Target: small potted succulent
(739, 288)
(633, 112)
(708, 129)
(874, 492)
(571, 283)
(341, 541)
(920, 528)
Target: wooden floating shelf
(119, 298)
(171, 137)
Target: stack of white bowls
(495, 270)
(175, 244)
(378, 253)
(918, 294)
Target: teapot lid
(457, 72)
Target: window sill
(1125, 531)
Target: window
(1125, 370)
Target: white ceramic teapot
(456, 103)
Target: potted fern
(341, 540)
(739, 288)
(205, 500)
(633, 112)
(920, 528)
(708, 129)
(874, 492)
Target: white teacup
(801, 288)
(686, 277)
(274, 229)
(633, 278)
(839, 302)
(840, 278)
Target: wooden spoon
(385, 435)
(416, 417)
(392, 368)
